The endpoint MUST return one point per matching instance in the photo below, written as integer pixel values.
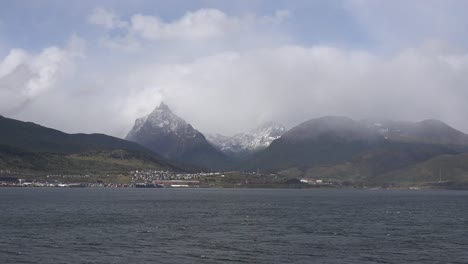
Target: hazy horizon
(227, 67)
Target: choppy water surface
(48, 225)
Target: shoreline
(239, 188)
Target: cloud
(204, 23)
(25, 76)
(228, 72)
(201, 25)
(231, 92)
(11, 61)
(106, 18)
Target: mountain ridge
(32, 147)
(334, 139)
(425, 131)
(330, 145)
(246, 143)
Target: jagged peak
(164, 113)
(253, 140)
(162, 119)
(163, 107)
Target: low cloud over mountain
(229, 67)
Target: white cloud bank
(223, 86)
(200, 25)
(25, 76)
(231, 92)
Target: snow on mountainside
(254, 140)
(164, 121)
(169, 135)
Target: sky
(229, 66)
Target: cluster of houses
(153, 178)
(147, 176)
(150, 179)
(7, 172)
(67, 176)
(150, 175)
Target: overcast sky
(228, 66)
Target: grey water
(54, 225)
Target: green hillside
(35, 138)
(28, 147)
(92, 163)
(445, 170)
(373, 166)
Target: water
(53, 225)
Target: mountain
(36, 138)
(332, 140)
(371, 166)
(338, 127)
(28, 146)
(325, 140)
(427, 131)
(169, 135)
(243, 144)
(375, 153)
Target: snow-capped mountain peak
(254, 140)
(262, 136)
(164, 121)
(165, 133)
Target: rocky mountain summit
(248, 142)
(167, 134)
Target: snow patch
(257, 139)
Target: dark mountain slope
(380, 146)
(28, 146)
(36, 138)
(390, 157)
(326, 140)
(427, 131)
(169, 135)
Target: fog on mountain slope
(427, 131)
(342, 127)
(325, 140)
(332, 140)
